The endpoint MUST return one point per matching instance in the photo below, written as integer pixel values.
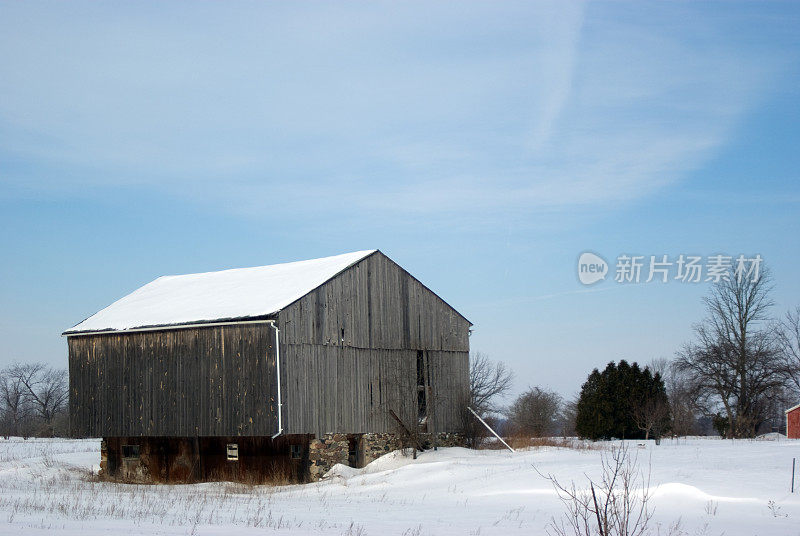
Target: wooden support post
(414, 439)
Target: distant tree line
(33, 400)
(736, 378)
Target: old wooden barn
(271, 372)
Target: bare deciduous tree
(488, 381)
(734, 362)
(660, 365)
(43, 389)
(649, 414)
(568, 417)
(788, 332)
(682, 403)
(536, 413)
(15, 409)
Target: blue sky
(482, 146)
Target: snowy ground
(712, 486)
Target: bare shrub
(536, 412)
(616, 505)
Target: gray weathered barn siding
(375, 304)
(210, 381)
(351, 348)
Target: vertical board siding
(351, 390)
(215, 381)
(378, 305)
(350, 351)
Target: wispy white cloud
(389, 109)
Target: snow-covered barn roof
(236, 294)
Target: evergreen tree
(623, 401)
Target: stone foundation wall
(447, 440)
(373, 446)
(429, 441)
(326, 452)
(331, 449)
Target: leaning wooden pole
(490, 429)
(413, 438)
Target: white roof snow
(215, 296)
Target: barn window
(296, 452)
(233, 452)
(422, 391)
(130, 451)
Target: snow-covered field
(712, 486)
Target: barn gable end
(356, 344)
